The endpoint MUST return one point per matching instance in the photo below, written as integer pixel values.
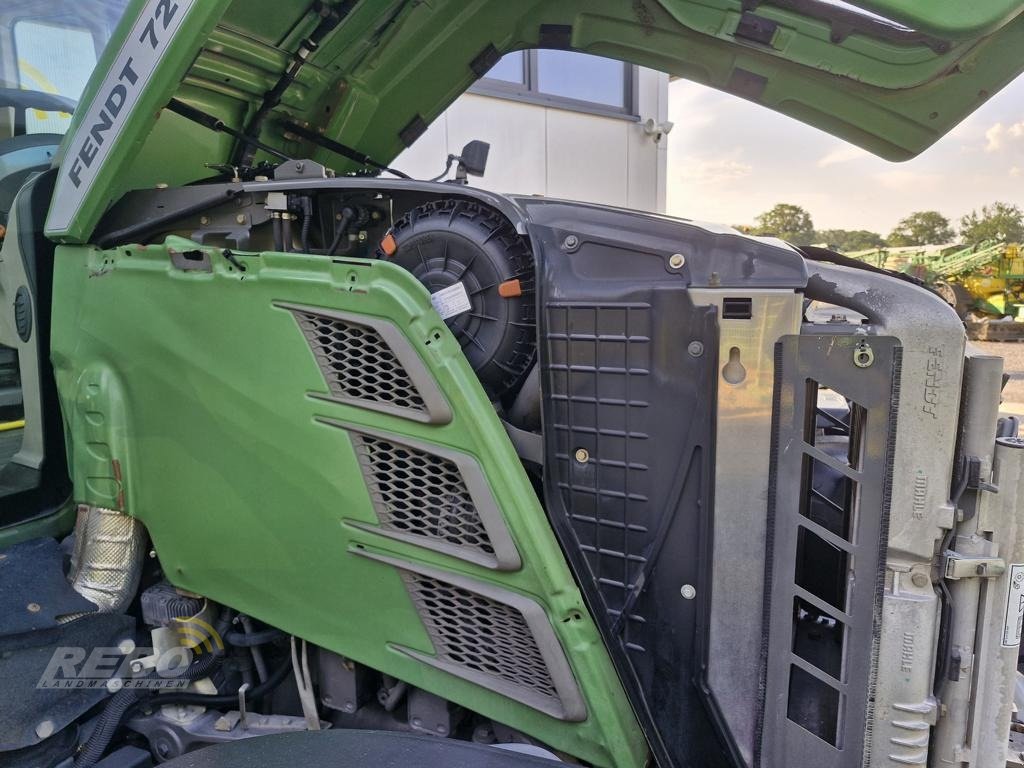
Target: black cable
(125, 701)
(249, 639)
(224, 700)
(347, 215)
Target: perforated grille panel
(357, 363)
(481, 635)
(421, 494)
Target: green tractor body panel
(379, 72)
(193, 401)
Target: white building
(560, 124)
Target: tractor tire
(954, 294)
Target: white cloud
(844, 153)
(714, 171)
(915, 181)
(999, 136)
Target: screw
(582, 455)
(676, 260)
(240, 218)
(34, 607)
(571, 242)
(919, 579)
(688, 591)
(204, 220)
(696, 349)
(126, 646)
(115, 684)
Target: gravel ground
(1013, 363)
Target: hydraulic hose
(250, 639)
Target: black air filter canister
(480, 275)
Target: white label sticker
(111, 106)
(451, 301)
(1014, 607)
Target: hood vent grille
(358, 364)
(481, 635)
(419, 493)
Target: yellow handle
(7, 426)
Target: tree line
(998, 221)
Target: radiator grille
(357, 362)
(419, 493)
(480, 635)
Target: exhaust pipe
(107, 559)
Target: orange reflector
(510, 289)
(388, 245)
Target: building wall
(555, 151)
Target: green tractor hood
(891, 76)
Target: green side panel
(201, 388)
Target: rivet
(919, 579)
(696, 349)
(676, 260)
(45, 729)
(582, 455)
(688, 591)
(34, 607)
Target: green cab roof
(891, 76)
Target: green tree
(787, 221)
(999, 221)
(922, 228)
(845, 240)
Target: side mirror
(473, 159)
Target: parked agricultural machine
(984, 283)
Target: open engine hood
(892, 78)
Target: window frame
(527, 92)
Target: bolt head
(34, 607)
(204, 220)
(676, 260)
(240, 218)
(696, 349)
(571, 241)
(126, 646)
(115, 684)
(582, 455)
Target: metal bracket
(958, 567)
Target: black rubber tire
(450, 241)
(958, 297)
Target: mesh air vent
(419, 493)
(481, 635)
(358, 364)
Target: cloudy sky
(730, 160)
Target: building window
(564, 79)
